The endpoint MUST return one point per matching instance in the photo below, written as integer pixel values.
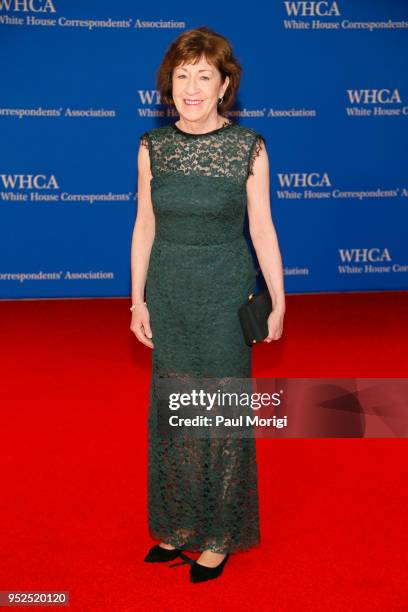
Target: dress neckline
(222, 127)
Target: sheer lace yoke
(228, 151)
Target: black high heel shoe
(158, 554)
(199, 573)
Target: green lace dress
(202, 493)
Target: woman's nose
(191, 88)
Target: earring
(220, 99)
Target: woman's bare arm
(142, 242)
(144, 228)
(265, 240)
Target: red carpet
(74, 384)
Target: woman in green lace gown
(202, 493)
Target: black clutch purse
(253, 316)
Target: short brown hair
(189, 47)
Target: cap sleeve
(145, 139)
(256, 147)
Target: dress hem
(199, 548)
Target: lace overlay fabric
(229, 151)
(202, 493)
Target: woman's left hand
(275, 325)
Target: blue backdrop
(324, 82)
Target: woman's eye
(181, 76)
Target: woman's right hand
(140, 325)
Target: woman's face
(196, 89)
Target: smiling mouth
(192, 102)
